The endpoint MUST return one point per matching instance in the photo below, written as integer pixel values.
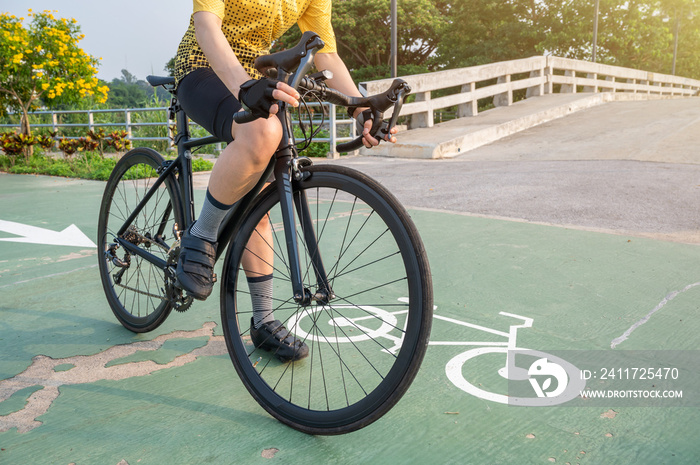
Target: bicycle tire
(370, 237)
(137, 292)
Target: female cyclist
(215, 79)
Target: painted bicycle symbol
(551, 379)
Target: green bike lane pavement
(172, 396)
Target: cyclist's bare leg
(241, 164)
(235, 173)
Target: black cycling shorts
(208, 102)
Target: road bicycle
(340, 247)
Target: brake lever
(396, 113)
(399, 97)
(381, 128)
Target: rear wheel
(140, 293)
(367, 340)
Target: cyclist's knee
(260, 138)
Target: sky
(140, 36)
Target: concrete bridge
(546, 88)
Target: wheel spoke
(362, 347)
(139, 300)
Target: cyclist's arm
(342, 81)
(223, 60)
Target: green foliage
(487, 31)
(13, 144)
(86, 165)
(370, 73)
(363, 30)
(363, 35)
(131, 92)
(170, 67)
(438, 35)
(200, 164)
(635, 34)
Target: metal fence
(338, 130)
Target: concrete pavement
(625, 167)
(453, 138)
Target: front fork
(288, 169)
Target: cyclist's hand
(363, 116)
(260, 96)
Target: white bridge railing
(532, 76)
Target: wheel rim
(138, 295)
(362, 344)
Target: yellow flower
(45, 86)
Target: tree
(636, 34)
(630, 33)
(132, 92)
(363, 35)
(486, 31)
(170, 66)
(684, 21)
(126, 92)
(42, 63)
(363, 31)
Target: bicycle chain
(173, 294)
(180, 304)
(136, 238)
(138, 291)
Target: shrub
(68, 146)
(14, 143)
(46, 141)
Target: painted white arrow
(71, 236)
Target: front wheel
(367, 339)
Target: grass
(86, 165)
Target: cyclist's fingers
(368, 140)
(274, 109)
(286, 93)
(390, 137)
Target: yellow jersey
(251, 26)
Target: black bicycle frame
(281, 166)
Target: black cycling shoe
(274, 337)
(195, 266)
